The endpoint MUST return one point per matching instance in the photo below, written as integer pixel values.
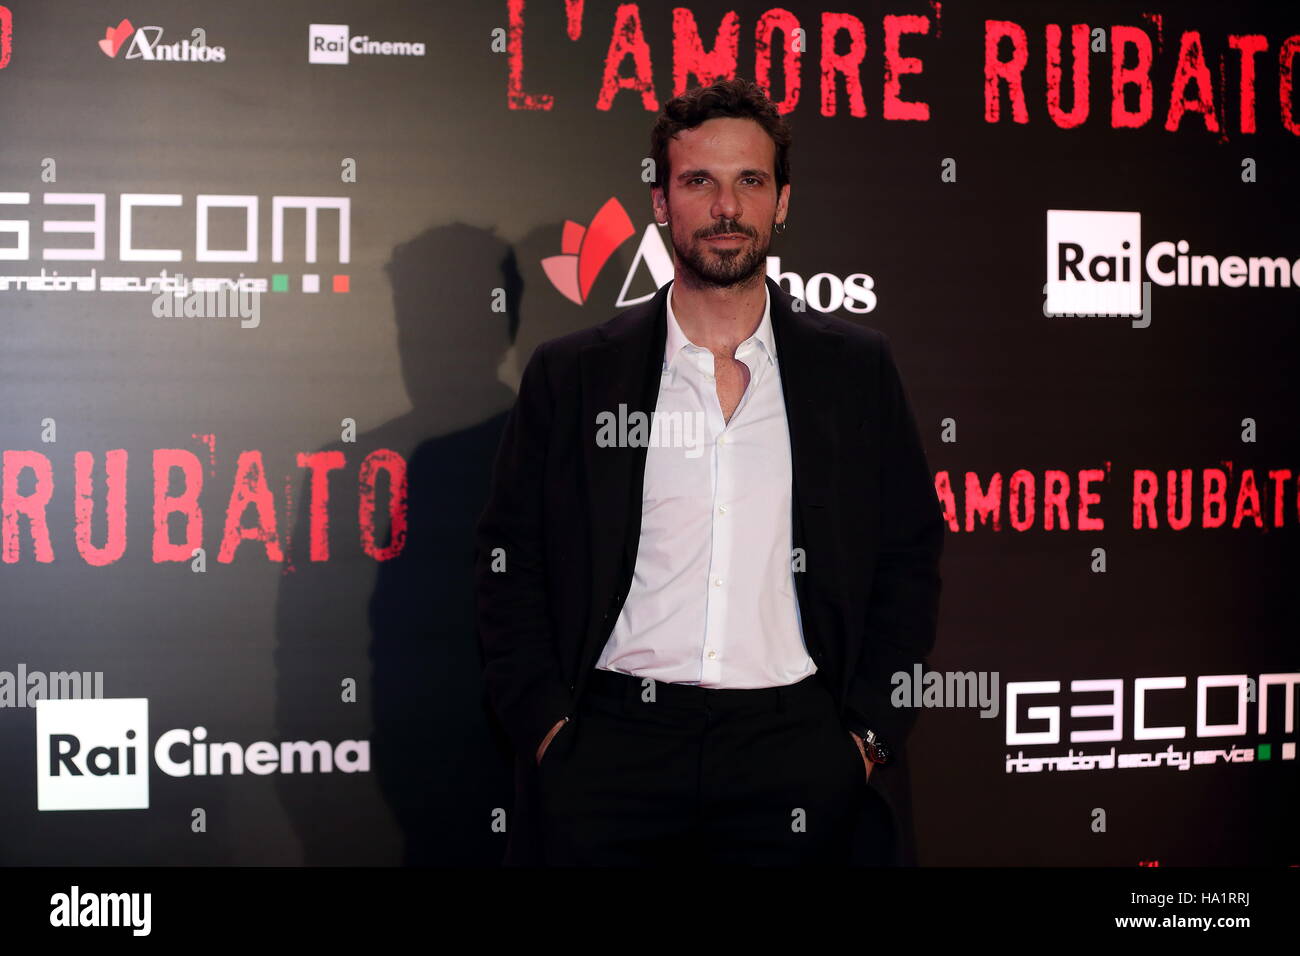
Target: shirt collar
(677, 340)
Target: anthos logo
(584, 251)
(94, 755)
(146, 44)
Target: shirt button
(722, 509)
(717, 582)
(712, 655)
(722, 440)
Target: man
(689, 629)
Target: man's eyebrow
(691, 173)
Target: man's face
(722, 200)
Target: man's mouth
(728, 237)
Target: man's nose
(727, 204)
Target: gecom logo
(146, 44)
(329, 43)
(312, 208)
(1242, 690)
(584, 250)
(91, 755)
(1093, 266)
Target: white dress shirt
(712, 600)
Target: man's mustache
(723, 232)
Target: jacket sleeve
(521, 662)
(903, 606)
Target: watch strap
(877, 750)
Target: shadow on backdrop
(403, 629)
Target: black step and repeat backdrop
(268, 276)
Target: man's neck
(719, 319)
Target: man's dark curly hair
(739, 98)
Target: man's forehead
(726, 139)
(724, 130)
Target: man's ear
(659, 202)
(783, 203)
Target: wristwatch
(875, 747)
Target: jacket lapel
(807, 349)
(620, 375)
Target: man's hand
(547, 740)
(862, 749)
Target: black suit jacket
(557, 542)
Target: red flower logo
(585, 250)
(114, 37)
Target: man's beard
(722, 268)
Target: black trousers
(668, 774)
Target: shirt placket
(720, 545)
(723, 475)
